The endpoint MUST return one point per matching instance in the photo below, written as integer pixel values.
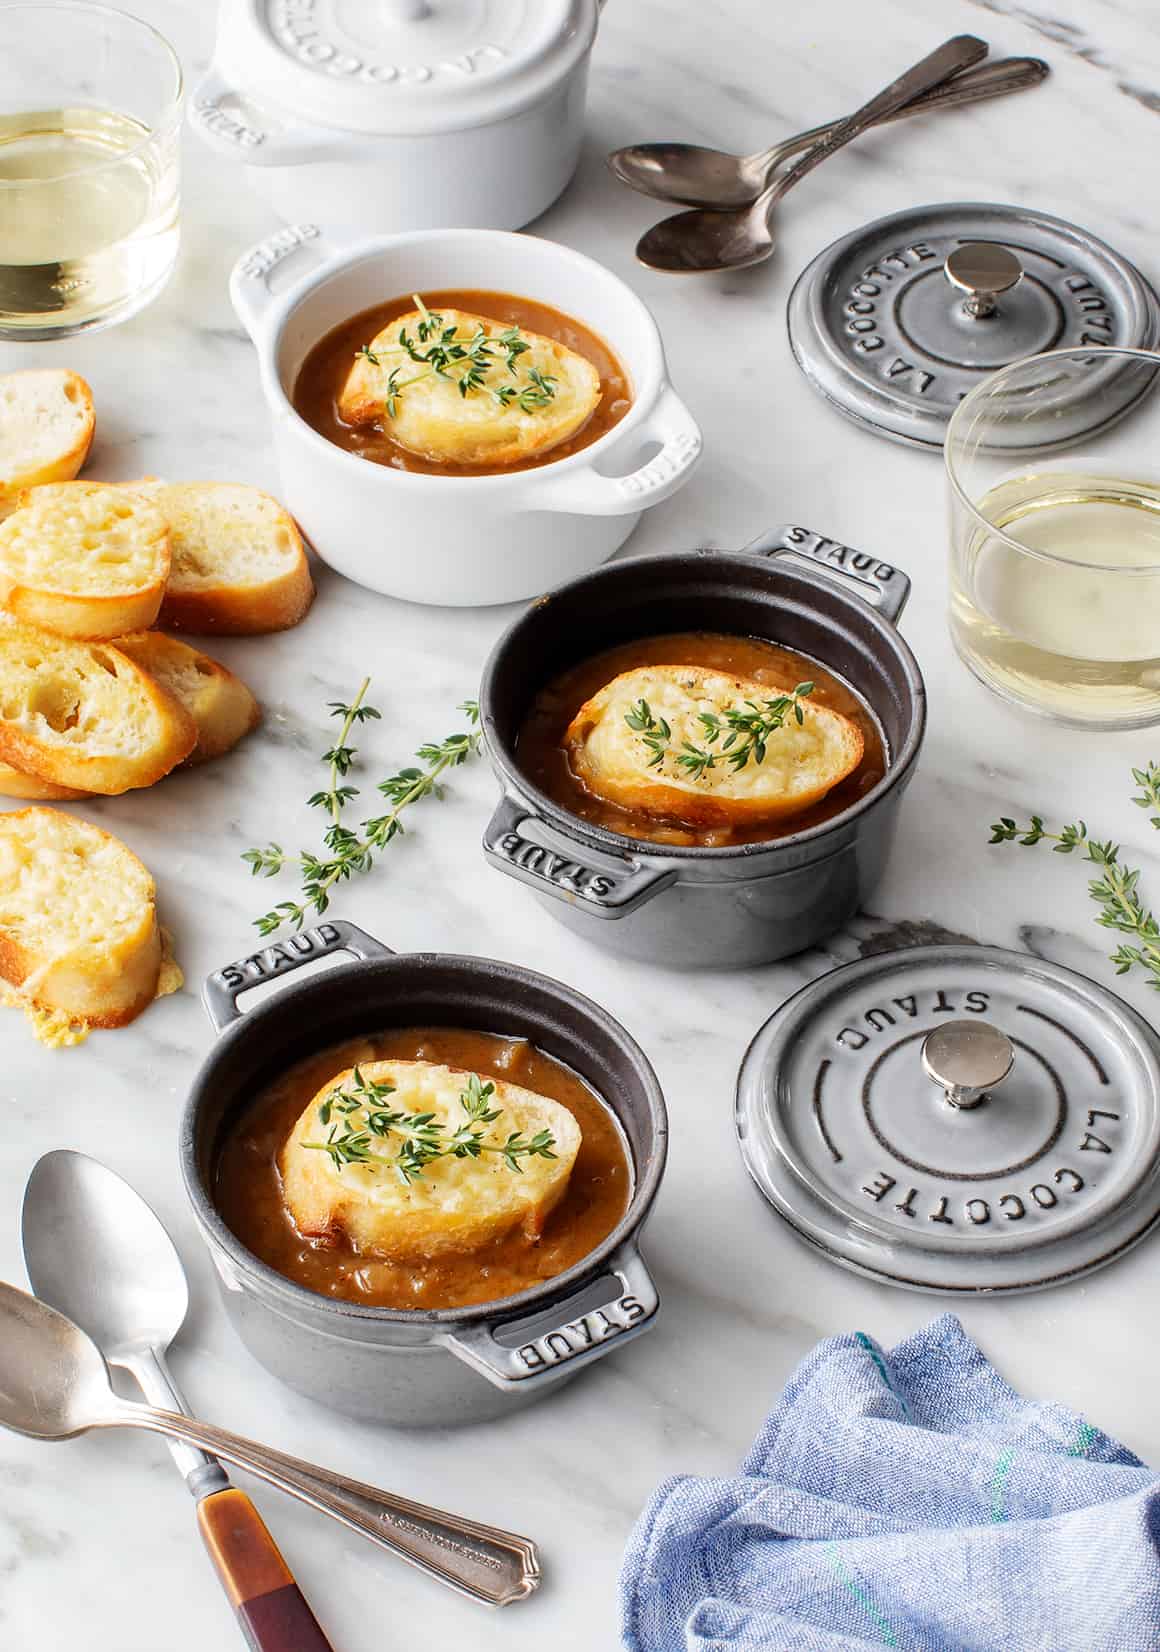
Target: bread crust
(100, 983)
(69, 459)
(169, 733)
(227, 603)
(220, 703)
(15, 783)
(60, 603)
(613, 763)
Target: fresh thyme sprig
(1115, 892)
(743, 731)
(363, 1120)
(467, 360)
(351, 850)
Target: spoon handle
(485, 1562)
(270, 1607)
(986, 80)
(946, 60)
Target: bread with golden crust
(46, 429)
(458, 1204)
(238, 566)
(433, 419)
(84, 559)
(220, 704)
(78, 924)
(802, 761)
(85, 715)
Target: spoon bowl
(54, 1384)
(689, 172)
(701, 240)
(98, 1253)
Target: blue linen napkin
(909, 1500)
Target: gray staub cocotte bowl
(432, 1366)
(721, 907)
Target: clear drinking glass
(90, 123)
(1054, 470)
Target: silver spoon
(54, 1385)
(691, 175)
(97, 1253)
(703, 240)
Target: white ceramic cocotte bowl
(461, 540)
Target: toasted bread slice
(15, 783)
(46, 429)
(801, 762)
(457, 1205)
(85, 715)
(78, 925)
(238, 564)
(433, 418)
(84, 559)
(220, 704)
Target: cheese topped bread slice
(46, 429)
(238, 564)
(524, 404)
(84, 559)
(85, 715)
(616, 757)
(456, 1205)
(78, 925)
(220, 704)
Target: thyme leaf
(363, 1130)
(469, 360)
(1115, 892)
(735, 736)
(349, 850)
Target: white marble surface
(97, 1543)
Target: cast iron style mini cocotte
(753, 902)
(431, 1366)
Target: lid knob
(968, 1058)
(982, 270)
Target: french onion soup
(700, 739)
(462, 383)
(426, 1167)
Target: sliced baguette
(78, 925)
(15, 783)
(85, 715)
(84, 559)
(459, 1204)
(220, 704)
(238, 565)
(46, 429)
(801, 761)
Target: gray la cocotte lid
(897, 321)
(956, 1118)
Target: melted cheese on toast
(802, 762)
(456, 1205)
(434, 419)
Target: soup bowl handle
(225, 986)
(570, 1335)
(884, 586)
(600, 889)
(586, 491)
(252, 286)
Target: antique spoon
(54, 1385)
(97, 1253)
(693, 176)
(703, 240)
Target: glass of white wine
(90, 125)
(1054, 469)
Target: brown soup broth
(542, 758)
(324, 373)
(248, 1188)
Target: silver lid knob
(968, 1058)
(982, 270)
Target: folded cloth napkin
(912, 1500)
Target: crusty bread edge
(68, 465)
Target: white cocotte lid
(401, 67)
